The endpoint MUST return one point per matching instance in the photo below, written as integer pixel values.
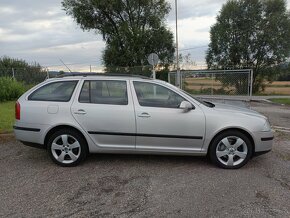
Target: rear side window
(104, 92)
(55, 91)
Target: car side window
(104, 92)
(154, 95)
(55, 91)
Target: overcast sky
(40, 31)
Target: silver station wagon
(79, 114)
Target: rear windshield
(55, 91)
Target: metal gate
(215, 82)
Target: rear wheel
(67, 147)
(231, 150)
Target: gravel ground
(145, 186)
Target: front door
(105, 111)
(161, 124)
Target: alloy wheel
(231, 151)
(66, 149)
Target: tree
(132, 29)
(23, 71)
(250, 34)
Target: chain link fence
(215, 82)
(25, 75)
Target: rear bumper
(34, 145)
(29, 134)
(26, 129)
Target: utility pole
(252, 80)
(47, 73)
(178, 79)
(13, 73)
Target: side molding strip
(145, 135)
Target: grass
(281, 100)
(6, 116)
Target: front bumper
(263, 141)
(258, 153)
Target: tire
(67, 148)
(231, 149)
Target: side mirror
(186, 106)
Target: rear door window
(55, 91)
(104, 92)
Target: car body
(131, 114)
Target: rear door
(161, 124)
(105, 110)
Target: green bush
(10, 89)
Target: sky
(40, 31)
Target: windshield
(206, 103)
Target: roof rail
(101, 74)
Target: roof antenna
(65, 65)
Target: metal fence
(215, 82)
(26, 75)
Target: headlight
(267, 126)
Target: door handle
(80, 111)
(144, 114)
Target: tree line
(247, 34)
(21, 70)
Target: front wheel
(231, 150)
(67, 147)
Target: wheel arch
(233, 129)
(59, 127)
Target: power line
(98, 61)
(185, 49)
(79, 63)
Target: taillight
(17, 111)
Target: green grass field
(281, 100)
(6, 116)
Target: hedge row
(10, 89)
